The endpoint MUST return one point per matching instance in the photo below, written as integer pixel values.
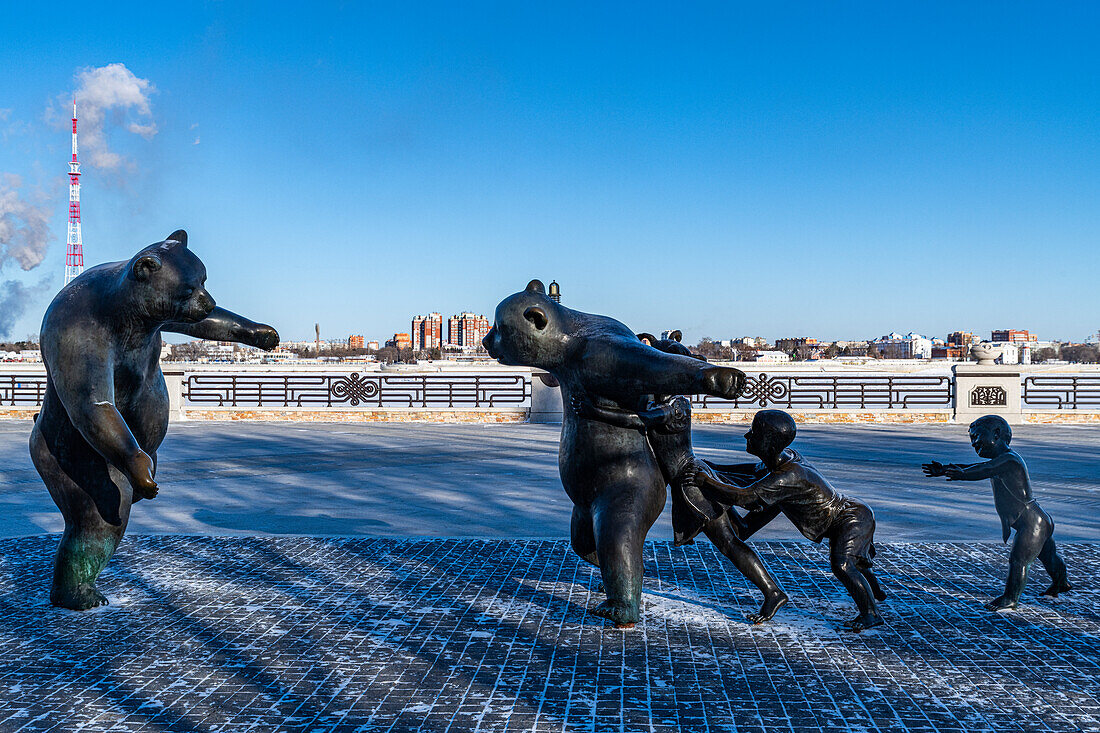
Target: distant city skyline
(722, 169)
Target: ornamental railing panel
(357, 390)
(838, 392)
(1061, 392)
(22, 390)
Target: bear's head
(168, 282)
(528, 330)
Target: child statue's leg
(720, 532)
(1033, 530)
(847, 571)
(1056, 569)
(872, 581)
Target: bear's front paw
(725, 382)
(263, 337)
(139, 470)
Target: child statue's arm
(585, 407)
(747, 470)
(977, 471)
(757, 520)
(731, 493)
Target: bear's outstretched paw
(864, 621)
(1002, 603)
(623, 615)
(262, 337)
(1056, 588)
(81, 598)
(725, 382)
(768, 610)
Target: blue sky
(838, 170)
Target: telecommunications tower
(74, 252)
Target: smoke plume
(110, 97)
(15, 297)
(24, 235)
(24, 226)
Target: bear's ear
(536, 316)
(647, 338)
(676, 336)
(536, 286)
(178, 236)
(145, 266)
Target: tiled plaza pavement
(325, 634)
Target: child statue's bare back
(1007, 472)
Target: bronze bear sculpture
(105, 410)
(609, 472)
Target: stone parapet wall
(829, 416)
(437, 416)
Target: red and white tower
(74, 252)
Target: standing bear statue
(105, 412)
(609, 472)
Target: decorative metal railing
(442, 391)
(22, 390)
(380, 390)
(838, 392)
(1061, 392)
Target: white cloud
(107, 97)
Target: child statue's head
(771, 432)
(990, 435)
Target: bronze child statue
(784, 482)
(666, 421)
(1007, 472)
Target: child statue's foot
(81, 598)
(767, 611)
(1056, 588)
(1002, 603)
(880, 594)
(623, 615)
(864, 621)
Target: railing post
(992, 389)
(173, 380)
(546, 404)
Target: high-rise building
(1013, 336)
(400, 341)
(961, 338)
(554, 292)
(466, 330)
(427, 332)
(355, 341)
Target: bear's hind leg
(80, 559)
(96, 513)
(581, 536)
(621, 522)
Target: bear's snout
(202, 304)
(489, 342)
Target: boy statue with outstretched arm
(990, 436)
(784, 483)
